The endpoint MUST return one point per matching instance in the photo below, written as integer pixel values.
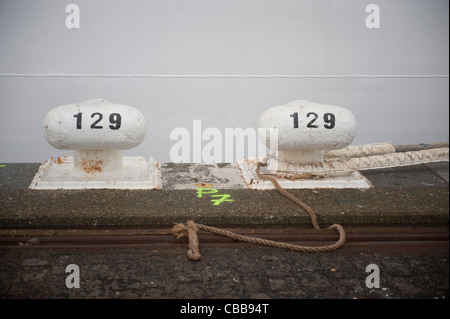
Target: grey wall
(43, 64)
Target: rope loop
(190, 229)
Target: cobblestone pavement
(232, 272)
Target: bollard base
(339, 180)
(135, 173)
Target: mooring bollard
(97, 131)
(305, 132)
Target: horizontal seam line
(219, 76)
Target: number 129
(328, 118)
(115, 119)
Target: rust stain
(61, 160)
(203, 185)
(91, 166)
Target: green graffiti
(201, 191)
(224, 198)
(210, 191)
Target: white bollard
(305, 131)
(97, 131)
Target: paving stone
(217, 276)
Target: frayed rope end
(190, 230)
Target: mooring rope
(419, 147)
(383, 148)
(302, 170)
(370, 156)
(190, 229)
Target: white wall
(43, 64)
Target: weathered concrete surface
(239, 272)
(17, 175)
(414, 194)
(185, 176)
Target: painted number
(328, 118)
(315, 116)
(295, 116)
(115, 120)
(99, 118)
(78, 117)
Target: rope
(360, 150)
(190, 229)
(288, 195)
(404, 155)
(378, 149)
(358, 159)
(419, 147)
(297, 170)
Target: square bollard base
(136, 173)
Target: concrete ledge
(131, 208)
(422, 198)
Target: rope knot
(190, 230)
